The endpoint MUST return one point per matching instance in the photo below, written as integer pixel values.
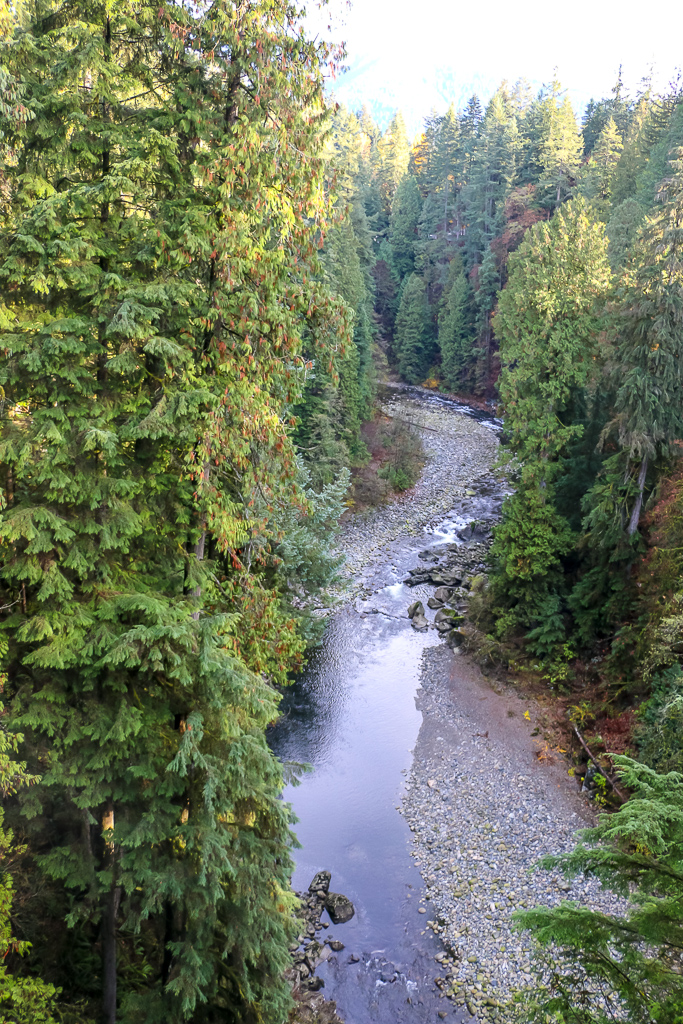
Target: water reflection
(351, 715)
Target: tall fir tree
(413, 342)
(491, 175)
(648, 409)
(554, 147)
(634, 155)
(405, 215)
(548, 322)
(152, 331)
(393, 156)
(597, 178)
(623, 228)
(456, 328)
(24, 999)
(488, 287)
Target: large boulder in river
(434, 602)
(416, 608)
(451, 576)
(420, 622)
(321, 880)
(442, 593)
(340, 908)
(414, 581)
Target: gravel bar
(459, 451)
(483, 808)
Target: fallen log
(603, 771)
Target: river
(352, 717)
(419, 762)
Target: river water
(352, 717)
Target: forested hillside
(204, 268)
(532, 260)
(180, 296)
(535, 261)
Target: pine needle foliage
(23, 999)
(158, 270)
(647, 420)
(549, 323)
(624, 966)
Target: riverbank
(484, 801)
(460, 452)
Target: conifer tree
(413, 342)
(634, 154)
(23, 999)
(648, 408)
(561, 149)
(393, 154)
(649, 402)
(330, 416)
(488, 287)
(456, 328)
(155, 294)
(598, 176)
(405, 214)
(491, 175)
(423, 163)
(624, 965)
(470, 123)
(447, 162)
(622, 230)
(554, 146)
(548, 323)
(617, 108)
(663, 131)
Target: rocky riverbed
(484, 800)
(460, 451)
(483, 797)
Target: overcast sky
(419, 54)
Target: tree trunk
(108, 930)
(201, 543)
(104, 217)
(109, 914)
(635, 515)
(168, 939)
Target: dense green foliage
(461, 201)
(622, 966)
(164, 201)
(24, 999)
(337, 399)
(549, 322)
(197, 257)
(621, 390)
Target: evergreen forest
(207, 268)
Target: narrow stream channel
(352, 717)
